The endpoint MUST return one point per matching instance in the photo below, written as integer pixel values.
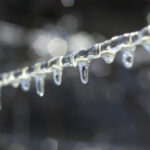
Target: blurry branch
(106, 50)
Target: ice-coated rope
(106, 50)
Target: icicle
(83, 69)
(108, 57)
(57, 76)
(0, 98)
(15, 84)
(39, 83)
(128, 58)
(25, 84)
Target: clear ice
(128, 58)
(57, 76)
(15, 84)
(83, 70)
(39, 83)
(108, 57)
(106, 50)
(25, 84)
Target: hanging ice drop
(39, 83)
(83, 70)
(25, 84)
(57, 76)
(108, 57)
(15, 84)
(128, 58)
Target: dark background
(111, 112)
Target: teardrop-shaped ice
(57, 76)
(25, 84)
(108, 57)
(147, 46)
(128, 58)
(83, 70)
(15, 84)
(39, 83)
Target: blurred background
(111, 112)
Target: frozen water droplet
(108, 57)
(25, 84)
(0, 98)
(147, 47)
(39, 83)
(15, 84)
(57, 76)
(83, 69)
(128, 58)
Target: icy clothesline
(106, 50)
